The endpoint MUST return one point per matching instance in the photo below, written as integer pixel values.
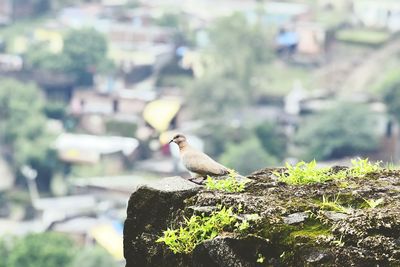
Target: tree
(247, 157)
(238, 47)
(86, 51)
(23, 139)
(392, 98)
(44, 250)
(4, 253)
(272, 140)
(93, 257)
(345, 130)
(213, 97)
(219, 134)
(39, 57)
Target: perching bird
(196, 162)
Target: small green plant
(361, 167)
(307, 173)
(304, 173)
(230, 184)
(197, 229)
(260, 258)
(372, 203)
(333, 205)
(338, 242)
(243, 226)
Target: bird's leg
(195, 178)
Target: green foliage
(372, 203)
(333, 205)
(238, 46)
(4, 253)
(214, 94)
(307, 173)
(84, 53)
(271, 139)
(172, 20)
(230, 184)
(260, 258)
(121, 128)
(197, 229)
(361, 167)
(86, 50)
(39, 57)
(367, 37)
(392, 96)
(93, 257)
(44, 250)
(247, 156)
(55, 110)
(345, 130)
(236, 49)
(221, 135)
(23, 138)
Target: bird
(196, 162)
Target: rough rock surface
(294, 229)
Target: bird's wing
(198, 162)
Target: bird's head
(178, 139)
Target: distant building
(382, 14)
(111, 151)
(5, 12)
(10, 62)
(51, 210)
(129, 102)
(12, 10)
(281, 13)
(312, 39)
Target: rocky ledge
(350, 222)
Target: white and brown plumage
(196, 161)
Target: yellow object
(159, 113)
(53, 38)
(19, 45)
(107, 237)
(166, 137)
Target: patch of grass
(361, 167)
(277, 79)
(333, 205)
(197, 229)
(361, 36)
(372, 203)
(312, 230)
(308, 173)
(230, 184)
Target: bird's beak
(172, 140)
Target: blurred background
(91, 92)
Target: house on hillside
(112, 152)
(5, 12)
(10, 63)
(282, 13)
(12, 10)
(135, 47)
(110, 110)
(382, 14)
